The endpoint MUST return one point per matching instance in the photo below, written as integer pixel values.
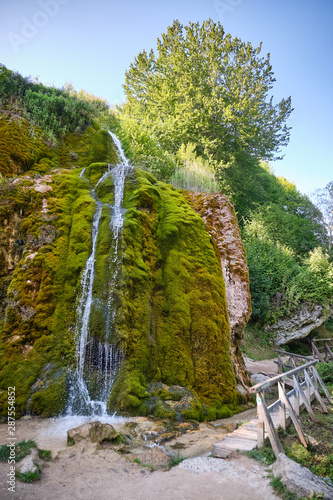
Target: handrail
(264, 385)
(293, 355)
(320, 340)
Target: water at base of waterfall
(90, 352)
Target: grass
(175, 461)
(44, 455)
(138, 461)
(22, 449)
(257, 344)
(264, 455)
(280, 489)
(28, 477)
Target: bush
(325, 371)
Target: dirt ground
(83, 472)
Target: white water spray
(104, 356)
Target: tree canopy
(324, 200)
(210, 89)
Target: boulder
(94, 432)
(306, 318)
(299, 480)
(29, 463)
(221, 223)
(153, 457)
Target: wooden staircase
(253, 434)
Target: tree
(324, 201)
(210, 89)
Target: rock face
(174, 320)
(298, 326)
(221, 223)
(299, 479)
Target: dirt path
(83, 473)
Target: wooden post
(317, 376)
(328, 352)
(292, 414)
(261, 419)
(304, 399)
(307, 390)
(318, 396)
(316, 353)
(296, 395)
(269, 426)
(282, 408)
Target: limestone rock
(95, 432)
(28, 463)
(298, 326)
(154, 457)
(299, 479)
(221, 223)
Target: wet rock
(299, 479)
(96, 433)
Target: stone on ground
(299, 480)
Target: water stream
(97, 361)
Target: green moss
(167, 299)
(52, 400)
(173, 320)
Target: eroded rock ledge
(298, 326)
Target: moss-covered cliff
(170, 314)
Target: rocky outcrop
(305, 319)
(299, 480)
(221, 223)
(94, 432)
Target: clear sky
(91, 43)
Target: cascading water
(97, 361)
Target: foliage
(281, 490)
(264, 455)
(325, 371)
(140, 147)
(56, 111)
(256, 343)
(44, 454)
(175, 461)
(193, 173)
(29, 476)
(210, 89)
(279, 281)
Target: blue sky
(92, 43)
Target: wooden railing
(306, 382)
(322, 349)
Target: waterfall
(96, 359)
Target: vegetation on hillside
(199, 114)
(56, 111)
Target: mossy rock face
(47, 220)
(173, 324)
(161, 284)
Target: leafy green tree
(210, 89)
(324, 201)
